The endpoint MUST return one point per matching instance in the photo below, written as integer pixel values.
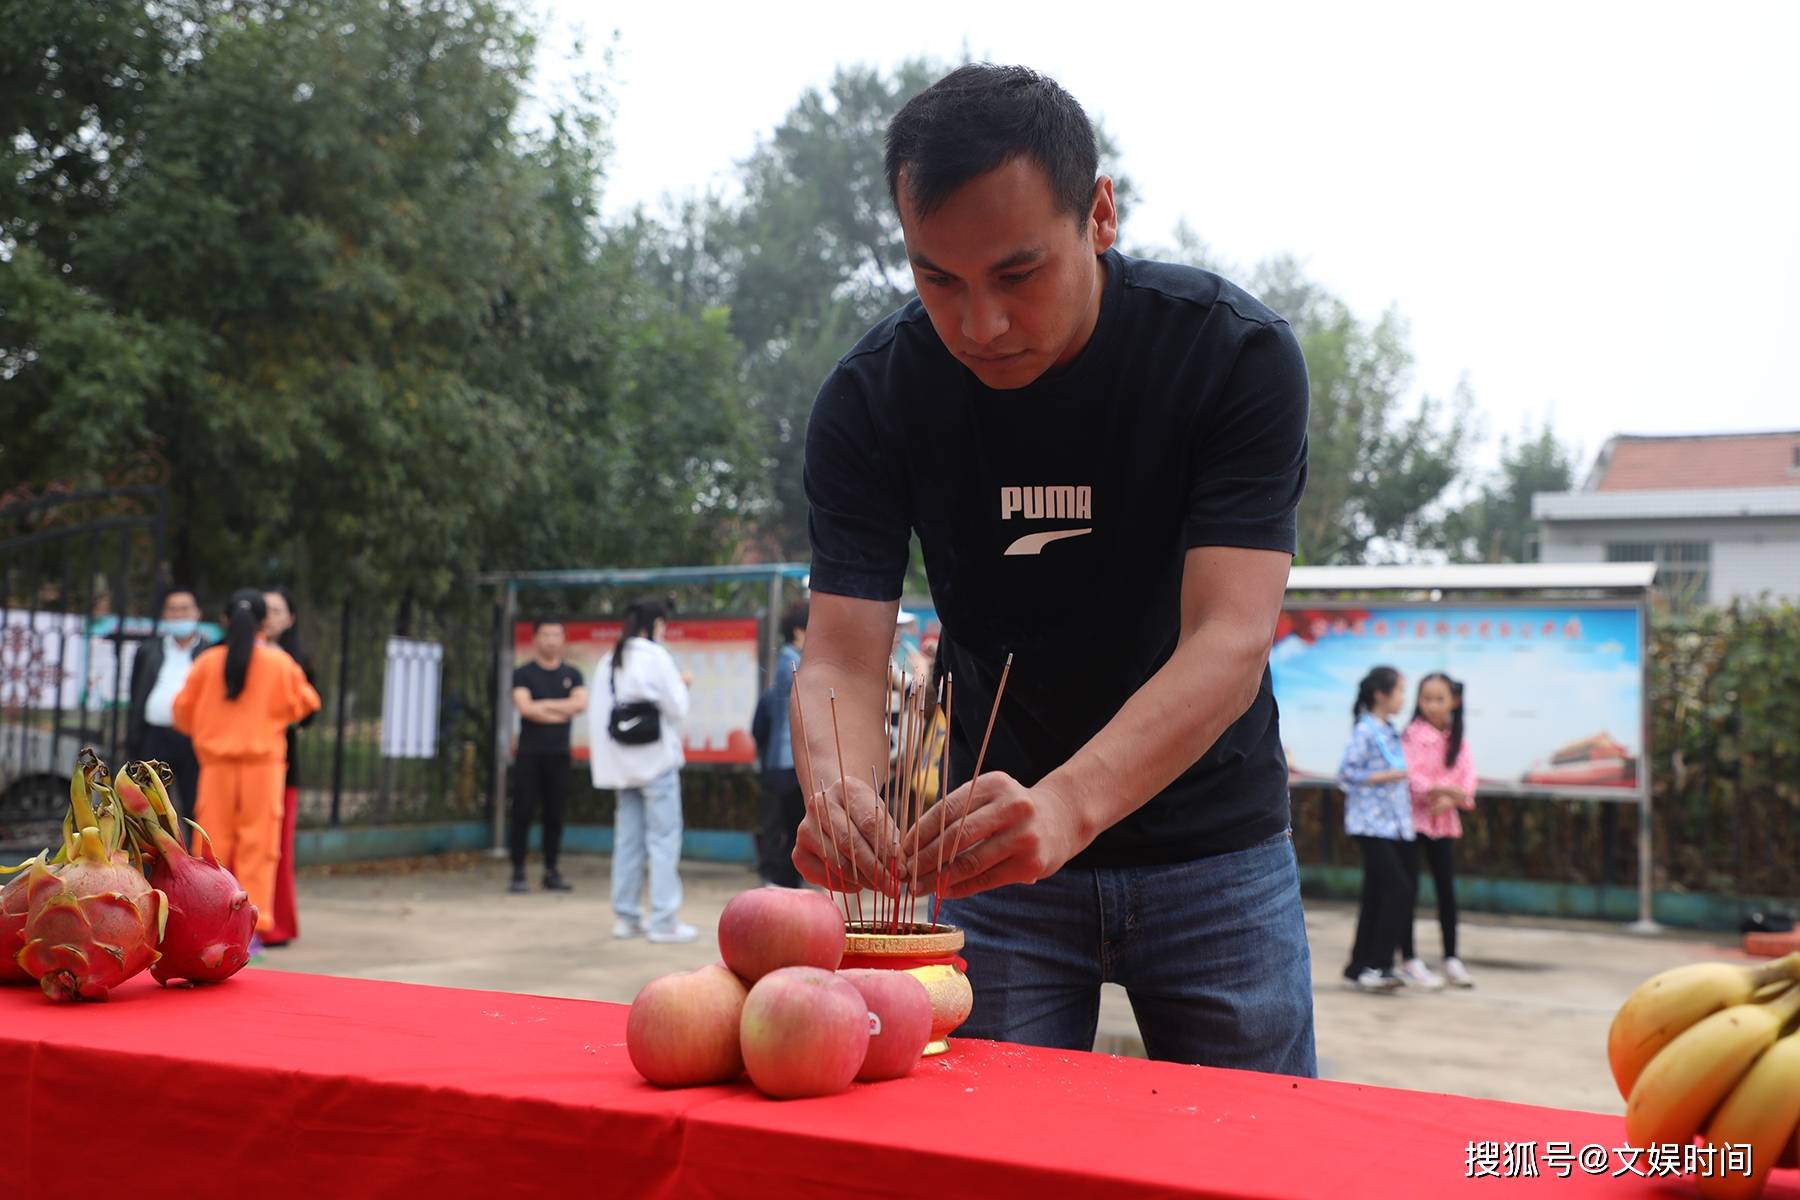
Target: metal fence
(81, 576)
(79, 572)
(353, 765)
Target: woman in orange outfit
(236, 705)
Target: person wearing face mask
(157, 673)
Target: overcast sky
(1587, 209)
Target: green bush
(1725, 739)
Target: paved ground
(1533, 1030)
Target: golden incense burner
(929, 954)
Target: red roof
(1735, 460)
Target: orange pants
(240, 806)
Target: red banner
(720, 653)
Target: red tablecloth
(279, 1084)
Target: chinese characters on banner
(67, 662)
(1553, 699)
(722, 656)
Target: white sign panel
(409, 698)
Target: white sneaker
(625, 927)
(676, 935)
(1371, 980)
(1457, 974)
(1414, 973)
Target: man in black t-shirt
(548, 694)
(1101, 458)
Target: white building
(1719, 514)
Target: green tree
(1496, 526)
(1378, 471)
(369, 320)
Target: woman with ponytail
(1440, 774)
(1378, 814)
(635, 711)
(236, 705)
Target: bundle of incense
(980, 757)
(914, 782)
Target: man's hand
(1230, 599)
(1012, 834)
(549, 712)
(837, 846)
(567, 708)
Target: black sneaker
(517, 886)
(556, 883)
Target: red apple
(683, 1028)
(805, 1032)
(768, 928)
(899, 1021)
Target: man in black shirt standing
(548, 694)
(1101, 458)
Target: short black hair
(176, 589)
(539, 624)
(793, 619)
(979, 117)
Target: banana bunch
(1712, 1049)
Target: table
(277, 1084)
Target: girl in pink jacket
(1440, 774)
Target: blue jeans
(647, 825)
(1213, 954)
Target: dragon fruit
(211, 919)
(132, 797)
(144, 794)
(94, 924)
(13, 910)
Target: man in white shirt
(157, 673)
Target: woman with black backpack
(638, 702)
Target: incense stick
(875, 884)
(844, 788)
(799, 717)
(921, 769)
(919, 802)
(891, 780)
(981, 755)
(943, 789)
(902, 763)
(906, 802)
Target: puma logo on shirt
(1047, 503)
(1056, 502)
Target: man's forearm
(545, 712)
(1171, 721)
(861, 722)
